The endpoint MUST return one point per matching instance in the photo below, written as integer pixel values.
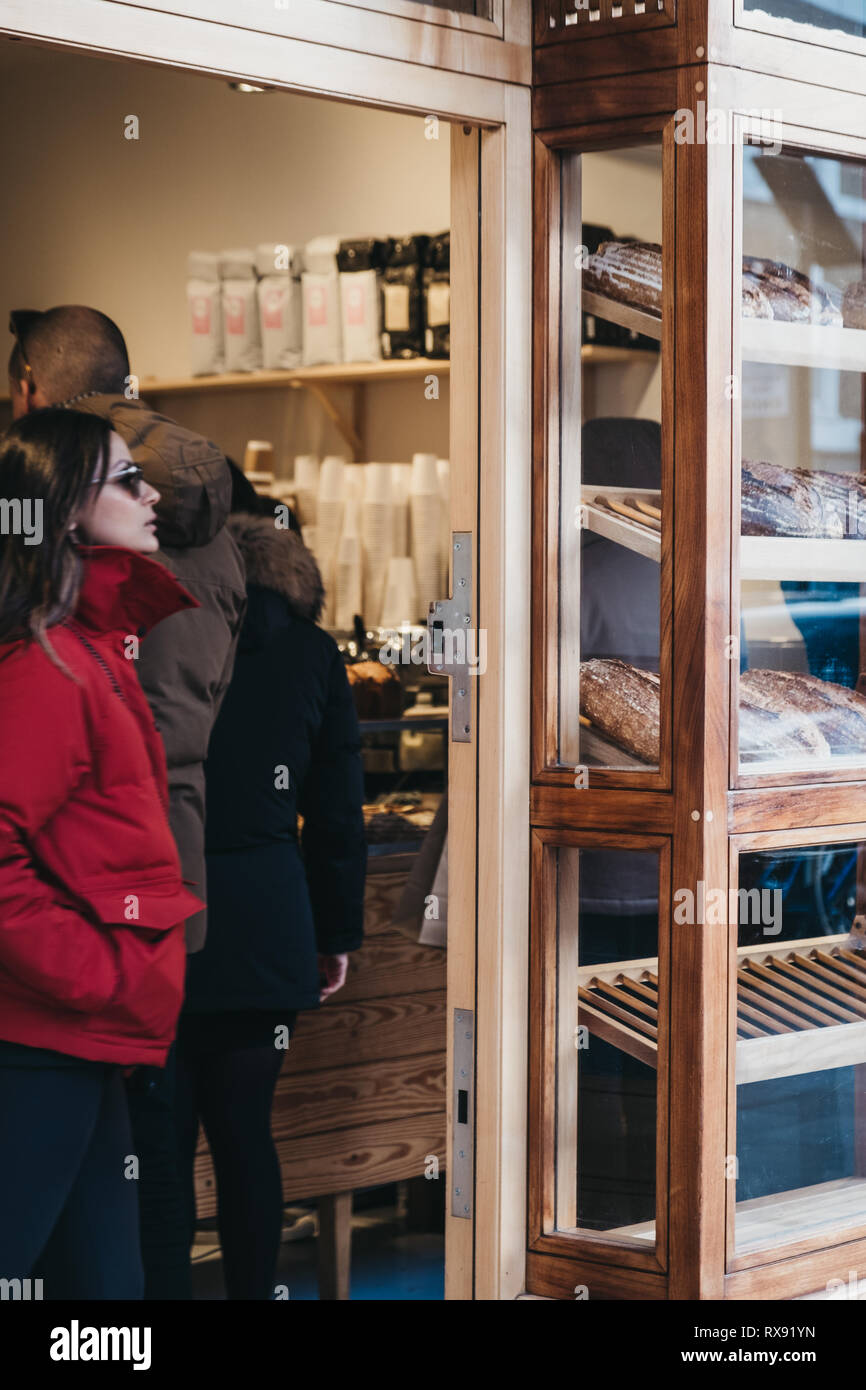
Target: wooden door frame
(490, 443)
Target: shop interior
(132, 184)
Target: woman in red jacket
(92, 903)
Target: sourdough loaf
(784, 715)
(854, 305)
(630, 272)
(623, 702)
(779, 501)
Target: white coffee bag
(243, 337)
(204, 302)
(322, 335)
(280, 308)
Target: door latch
(451, 638)
(463, 1127)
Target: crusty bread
(784, 715)
(778, 501)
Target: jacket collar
(124, 591)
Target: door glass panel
(607, 1031)
(610, 501)
(801, 1044)
(838, 19)
(803, 508)
(482, 8)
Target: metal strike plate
(452, 637)
(463, 1099)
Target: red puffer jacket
(92, 903)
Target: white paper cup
(400, 602)
(425, 478)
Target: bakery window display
(802, 554)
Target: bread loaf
(779, 501)
(854, 305)
(827, 719)
(623, 702)
(376, 690)
(784, 715)
(792, 296)
(629, 272)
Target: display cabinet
(698, 915)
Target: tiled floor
(387, 1263)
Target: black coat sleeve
(333, 839)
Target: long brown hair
(49, 460)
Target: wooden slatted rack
(800, 1008)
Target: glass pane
(840, 19)
(610, 472)
(803, 517)
(607, 1042)
(801, 1048)
(483, 8)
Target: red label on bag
(272, 309)
(317, 307)
(355, 302)
(234, 314)
(200, 306)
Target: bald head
(69, 350)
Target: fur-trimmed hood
(277, 559)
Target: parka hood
(277, 559)
(189, 472)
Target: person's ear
(23, 396)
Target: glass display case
(800, 1054)
(802, 553)
(698, 908)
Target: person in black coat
(285, 907)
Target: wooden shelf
(761, 557)
(801, 1007)
(803, 345)
(339, 374)
(644, 540)
(638, 320)
(781, 1217)
(793, 557)
(600, 355)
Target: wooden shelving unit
(338, 374)
(801, 1007)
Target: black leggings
(227, 1070)
(68, 1201)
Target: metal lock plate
(452, 639)
(463, 1100)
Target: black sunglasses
(20, 323)
(131, 479)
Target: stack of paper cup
(401, 601)
(349, 569)
(443, 470)
(377, 531)
(306, 487)
(401, 478)
(425, 507)
(329, 525)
